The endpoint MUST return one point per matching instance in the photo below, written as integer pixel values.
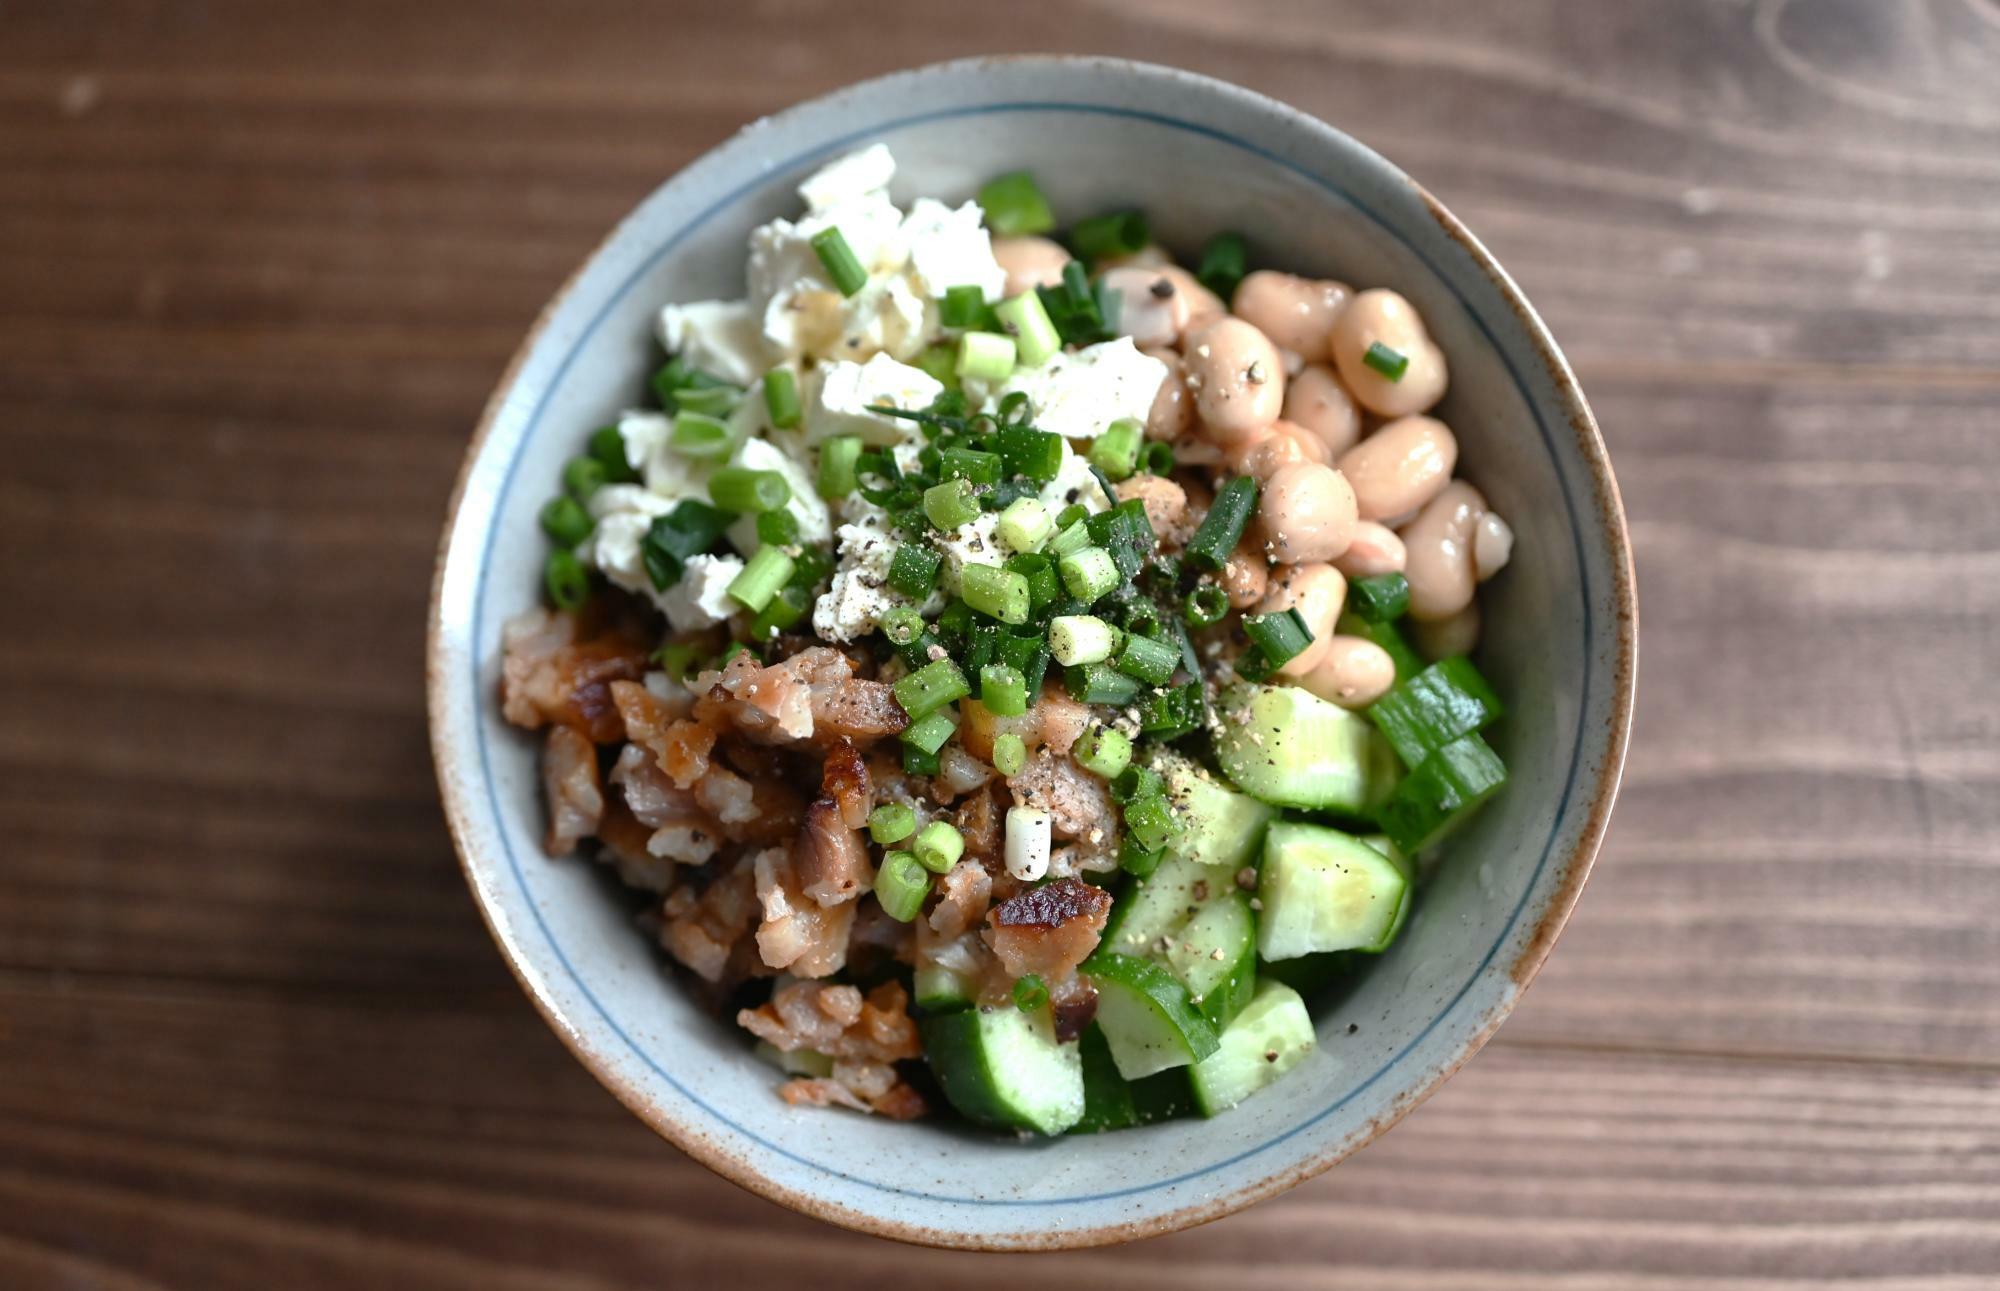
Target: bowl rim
(1573, 869)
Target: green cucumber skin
(1220, 826)
(1002, 1068)
(1407, 864)
(1286, 746)
(1310, 974)
(1219, 988)
(1447, 700)
(1268, 1039)
(940, 990)
(1146, 1015)
(1113, 1103)
(1442, 794)
(1324, 890)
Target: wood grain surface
(260, 264)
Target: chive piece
(938, 846)
(1034, 454)
(786, 608)
(1445, 701)
(1089, 574)
(1026, 319)
(713, 401)
(1169, 714)
(1150, 822)
(1100, 683)
(1103, 751)
(1390, 363)
(566, 579)
(1069, 539)
(1206, 606)
(1010, 753)
(700, 436)
(962, 308)
(565, 521)
(901, 625)
(1152, 662)
(901, 886)
(1071, 514)
(951, 504)
(1024, 525)
(1078, 639)
(1118, 233)
(1224, 261)
(1030, 654)
(930, 731)
(1003, 690)
(812, 565)
(1014, 205)
(781, 397)
(970, 464)
(999, 593)
(1142, 618)
(1116, 451)
(748, 492)
(1222, 528)
(1138, 861)
(1137, 782)
(839, 260)
(1031, 995)
(583, 476)
(913, 570)
(1157, 458)
(761, 578)
(939, 361)
(918, 762)
(690, 529)
(985, 356)
(1040, 571)
(607, 446)
(1282, 636)
(892, 822)
(930, 688)
(1126, 533)
(1379, 598)
(837, 458)
(778, 528)
(955, 624)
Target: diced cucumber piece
(1408, 865)
(940, 989)
(1286, 745)
(1387, 635)
(1146, 1016)
(1219, 826)
(1160, 904)
(1321, 889)
(1268, 1038)
(1215, 956)
(1441, 793)
(1002, 1067)
(1311, 974)
(1435, 707)
(1110, 1102)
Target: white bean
(1400, 467)
(1439, 543)
(1372, 549)
(1492, 546)
(1030, 262)
(1307, 513)
(1316, 400)
(1237, 378)
(1296, 313)
(1354, 673)
(1279, 444)
(1317, 591)
(1152, 311)
(1381, 316)
(1444, 638)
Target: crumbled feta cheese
(719, 337)
(858, 174)
(888, 316)
(1075, 483)
(972, 543)
(794, 298)
(645, 434)
(701, 598)
(1078, 395)
(806, 506)
(860, 594)
(841, 396)
(623, 513)
(949, 247)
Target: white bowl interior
(1310, 201)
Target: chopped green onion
(1101, 236)
(1089, 574)
(1014, 205)
(1152, 662)
(1103, 750)
(1025, 525)
(1028, 652)
(812, 566)
(962, 307)
(1168, 714)
(1125, 533)
(839, 261)
(1141, 617)
(1078, 639)
(930, 732)
(901, 625)
(939, 361)
(1137, 782)
(700, 436)
(913, 570)
(951, 504)
(1003, 690)
(1379, 598)
(1026, 319)
(1206, 606)
(1224, 261)
(1222, 528)
(982, 649)
(901, 886)
(583, 476)
(762, 576)
(837, 458)
(970, 464)
(892, 822)
(715, 401)
(985, 356)
(565, 521)
(678, 658)
(1390, 363)
(1071, 514)
(1043, 583)
(690, 529)
(999, 593)
(1025, 451)
(607, 446)
(778, 528)
(680, 382)
(1010, 753)
(1100, 683)
(1070, 538)
(785, 609)
(930, 688)
(566, 579)
(1116, 451)
(1157, 458)
(748, 492)
(1282, 636)
(1138, 861)
(781, 397)
(1150, 822)
(938, 847)
(1030, 994)
(954, 624)
(918, 762)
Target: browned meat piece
(700, 925)
(829, 858)
(570, 787)
(874, 929)
(862, 1086)
(845, 780)
(836, 1020)
(959, 773)
(963, 894)
(980, 818)
(1078, 803)
(1054, 722)
(680, 744)
(797, 933)
(1073, 1002)
(547, 676)
(1048, 930)
(682, 830)
(812, 695)
(622, 840)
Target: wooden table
(260, 264)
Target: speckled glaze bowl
(1199, 156)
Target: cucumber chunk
(1160, 904)
(1408, 865)
(1215, 956)
(1147, 1019)
(1219, 826)
(940, 989)
(1111, 1102)
(1268, 1039)
(1003, 1068)
(1286, 745)
(1442, 793)
(1435, 707)
(1324, 890)
(1311, 974)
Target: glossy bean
(1372, 550)
(1029, 262)
(1400, 467)
(1381, 316)
(1354, 672)
(1150, 256)
(1279, 444)
(1316, 400)
(1444, 638)
(1237, 378)
(1296, 313)
(1439, 543)
(1306, 513)
(1245, 576)
(1172, 415)
(1204, 306)
(1492, 546)
(1152, 311)
(1318, 592)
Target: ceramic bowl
(1200, 156)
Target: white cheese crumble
(623, 513)
(859, 595)
(815, 525)
(701, 598)
(1078, 395)
(972, 543)
(719, 337)
(858, 174)
(949, 247)
(843, 392)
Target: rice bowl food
(1018, 674)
